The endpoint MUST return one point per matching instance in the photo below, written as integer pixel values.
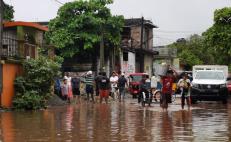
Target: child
(65, 88)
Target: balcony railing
(10, 47)
(15, 49)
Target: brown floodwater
(118, 122)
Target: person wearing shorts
(184, 85)
(166, 96)
(89, 81)
(97, 81)
(104, 85)
(114, 80)
(75, 88)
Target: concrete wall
(130, 65)
(135, 35)
(10, 72)
(148, 64)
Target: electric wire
(59, 2)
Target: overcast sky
(175, 18)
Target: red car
(229, 84)
(134, 83)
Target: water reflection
(120, 122)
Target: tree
(8, 12)
(218, 37)
(79, 26)
(193, 51)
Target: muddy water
(120, 122)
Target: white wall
(148, 64)
(128, 66)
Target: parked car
(209, 83)
(134, 83)
(229, 85)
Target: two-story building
(167, 55)
(137, 46)
(21, 40)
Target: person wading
(89, 81)
(75, 81)
(122, 82)
(114, 80)
(184, 85)
(97, 81)
(167, 91)
(104, 86)
(70, 94)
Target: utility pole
(101, 52)
(141, 46)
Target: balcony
(16, 49)
(9, 48)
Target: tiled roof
(26, 24)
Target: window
(210, 75)
(125, 56)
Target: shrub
(34, 87)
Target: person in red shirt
(167, 82)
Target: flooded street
(122, 122)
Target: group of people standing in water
(100, 87)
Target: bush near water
(34, 88)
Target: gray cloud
(175, 18)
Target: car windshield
(210, 75)
(136, 78)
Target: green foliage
(34, 88)
(214, 47)
(30, 100)
(193, 51)
(229, 67)
(8, 12)
(218, 37)
(80, 24)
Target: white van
(209, 83)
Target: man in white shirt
(113, 80)
(154, 81)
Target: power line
(59, 2)
(177, 31)
(164, 38)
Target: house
(137, 46)
(167, 55)
(130, 57)
(21, 40)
